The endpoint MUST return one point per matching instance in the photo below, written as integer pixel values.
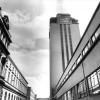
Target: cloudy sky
(29, 27)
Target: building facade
(64, 37)
(81, 79)
(15, 85)
(30, 94)
(5, 40)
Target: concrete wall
(91, 62)
(55, 55)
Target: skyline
(29, 27)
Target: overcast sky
(29, 27)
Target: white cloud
(35, 67)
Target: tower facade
(64, 37)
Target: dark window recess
(3, 61)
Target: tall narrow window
(8, 76)
(82, 89)
(5, 71)
(9, 96)
(5, 96)
(12, 97)
(65, 96)
(73, 93)
(69, 95)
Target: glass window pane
(65, 96)
(73, 67)
(5, 96)
(97, 33)
(94, 80)
(98, 73)
(69, 95)
(93, 38)
(89, 44)
(86, 49)
(84, 86)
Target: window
(93, 83)
(12, 97)
(10, 66)
(5, 71)
(4, 40)
(66, 76)
(98, 73)
(83, 52)
(65, 96)
(74, 65)
(69, 95)
(89, 43)
(8, 76)
(97, 33)
(12, 78)
(70, 71)
(5, 96)
(17, 98)
(1, 36)
(73, 93)
(79, 58)
(93, 38)
(82, 89)
(86, 49)
(94, 80)
(9, 96)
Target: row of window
(89, 86)
(12, 68)
(89, 44)
(11, 96)
(15, 71)
(13, 80)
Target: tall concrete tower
(64, 37)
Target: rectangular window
(83, 52)
(82, 89)
(65, 96)
(73, 93)
(1, 37)
(66, 76)
(12, 79)
(69, 95)
(97, 34)
(93, 38)
(5, 71)
(70, 71)
(8, 76)
(93, 82)
(86, 49)
(74, 65)
(89, 44)
(79, 58)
